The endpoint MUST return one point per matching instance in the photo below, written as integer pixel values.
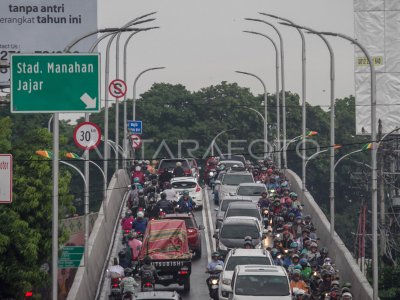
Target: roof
(260, 269)
(176, 179)
(252, 184)
(249, 252)
(244, 205)
(240, 220)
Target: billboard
(377, 28)
(44, 26)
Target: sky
(201, 43)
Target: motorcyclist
(127, 221)
(138, 174)
(277, 261)
(115, 270)
(298, 227)
(152, 188)
(263, 202)
(164, 204)
(140, 224)
(306, 269)
(295, 262)
(248, 242)
(297, 282)
(313, 255)
(178, 170)
(124, 258)
(128, 283)
(186, 203)
(141, 199)
(325, 285)
(272, 185)
(134, 245)
(213, 275)
(308, 222)
(136, 184)
(170, 193)
(214, 262)
(148, 272)
(164, 177)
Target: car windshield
(250, 190)
(233, 212)
(246, 260)
(188, 222)
(229, 164)
(239, 231)
(262, 285)
(171, 164)
(225, 203)
(184, 185)
(236, 179)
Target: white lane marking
(210, 223)
(206, 230)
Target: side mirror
(201, 227)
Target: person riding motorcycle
(134, 245)
(170, 193)
(306, 269)
(178, 170)
(115, 270)
(186, 203)
(313, 255)
(140, 223)
(248, 242)
(127, 221)
(277, 260)
(263, 202)
(164, 204)
(128, 283)
(215, 261)
(139, 174)
(297, 282)
(141, 199)
(325, 285)
(148, 272)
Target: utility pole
(381, 168)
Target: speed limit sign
(87, 135)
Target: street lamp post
(332, 121)
(283, 85)
(303, 96)
(278, 118)
(265, 110)
(374, 191)
(215, 138)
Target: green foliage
(25, 237)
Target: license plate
(167, 277)
(214, 287)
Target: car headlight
(226, 281)
(214, 281)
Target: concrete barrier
(87, 278)
(348, 269)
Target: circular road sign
(136, 141)
(117, 88)
(87, 135)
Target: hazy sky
(201, 43)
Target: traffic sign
(70, 257)
(117, 88)
(136, 141)
(87, 135)
(43, 83)
(6, 172)
(135, 127)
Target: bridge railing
(348, 269)
(87, 278)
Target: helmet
(298, 267)
(122, 253)
(154, 182)
(335, 282)
(132, 235)
(307, 217)
(215, 254)
(274, 252)
(218, 268)
(295, 256)
(147, 260)
(327, 260)
(277, 203)
(294, 245)
(313, 245)
(128, 272)
(141, 192)
(347, 296)
(296, 272)
(128, 213)
(270, 171)
(303, 262)
(185, 193)
(178, 164)
(140, 214)
(163, 196)
(136, 180)
(137, 168)
(324, 250)
(284, 184)
(248, 238)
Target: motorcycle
(266, 217)
(115, 290)
(213, 284)
(209, 178)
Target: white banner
(6, 172)
(41, 26)
(377, 28)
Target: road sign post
(135, 127)
(117, 88)
(44, 83)
(87, 135)
(6, 172)
(70, 257)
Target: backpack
(147, 274)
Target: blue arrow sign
(135, 127)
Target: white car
(190, 184)
(237, 257)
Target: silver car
(251, 191)
(223, 206)
(229, 183)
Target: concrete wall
(87, 278)
(345, 263)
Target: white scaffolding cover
(377, 28)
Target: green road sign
(43, 83)
(70, 257)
